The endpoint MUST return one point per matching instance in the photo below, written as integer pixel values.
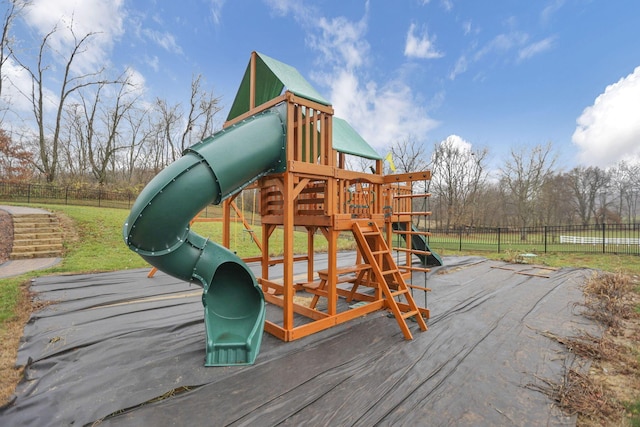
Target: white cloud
(456, 141)
(342, 42)
(502, 43)
(466, 27)
(420, 45)
(459, 68)
(216, 10)
(536, 48)
(551, 9)
(381, 111)
(609, 130)
(104, 18)
(381, 114)
(153, 62)
(165, 40)
(16, 89)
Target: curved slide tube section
(158, 230)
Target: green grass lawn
(94, 243)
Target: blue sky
(497, 74)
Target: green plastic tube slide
(419, 242)
(158, 229)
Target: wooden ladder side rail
(380, 249)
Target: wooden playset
(316, 193)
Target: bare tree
(409, 155)
(625, 180)
(522, 179)
(102, 152)
(49, 141)
(169, 118)
(138, 133)
(555, 201)
(459, 174)
(202, 108)
(13, 10)
(586, 184)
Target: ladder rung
(405, 196)
(420, 269)
(411, 213)
(414, 233)
(370, 233)
(400, 292)
(420, 288)
(395, 270)
(409, 314)
(413, 251)
(378, 252)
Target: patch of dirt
(6, 235)
(602, 397)
(10, 335)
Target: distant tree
(138, 132)
(203, 106)
(625, 181)
(13, 8)
(587, 185)
(16, 163)
(409, 155)
(49, 126)
(459, 174)
(522, 179)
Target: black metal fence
(51, 194)
(592, 238)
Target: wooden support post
(288, 252)
(332, 295)
(226, 223)
(252, 81)
(310, 253)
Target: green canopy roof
(272, 77)
(347, 140)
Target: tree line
(98, 127)
(87, 125)
(526, 190)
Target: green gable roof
(347, 140)
(272, 77)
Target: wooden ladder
(375, 251)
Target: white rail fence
(590, 240)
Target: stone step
(29, 237)
(34, 218)
(36, 254)
(26, 227)
(36, 236)
(36, 246)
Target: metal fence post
(604, 234)
(545, 239)
(498, 239)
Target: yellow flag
(389, 159)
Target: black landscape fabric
(123, 349)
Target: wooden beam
(252, 81)
(407, 177)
